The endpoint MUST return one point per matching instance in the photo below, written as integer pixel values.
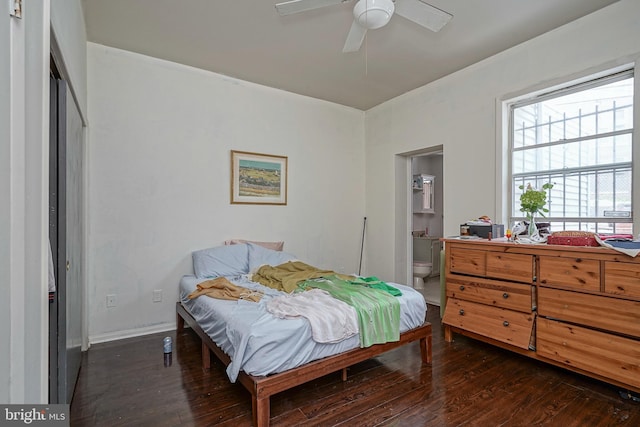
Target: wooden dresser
(575, 307)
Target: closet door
(56, 238)
(75, 239)
(66, 230)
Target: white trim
(85, 243)
(36, 17)
(635, 173)
(404, 242)
(132, 333)
(6, 207)
(409, 207)
(608, 68)
(17, 243)
(402, 174)
(502, 161)
(25, 205)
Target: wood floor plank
(353, 407)
(125, 383)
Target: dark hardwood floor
(469, 384)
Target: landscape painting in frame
(258, 178)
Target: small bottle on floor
(167, 351)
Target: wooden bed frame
(261, 388)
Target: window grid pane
(583, 194)
(577, 154)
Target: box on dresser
(496, 230)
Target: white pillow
(259, 255)
(221, 261)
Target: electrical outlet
(111, 300)
(157, 295)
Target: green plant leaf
(533, 201)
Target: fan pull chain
(366, 62)
(366, 39)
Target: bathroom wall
(429, 222)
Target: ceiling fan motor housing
(372, 14)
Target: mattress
(259, 343)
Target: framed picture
(258, 178)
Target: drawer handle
(461, 312)
(505, 295)
(462, 287)
(505, 323)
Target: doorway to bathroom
(426, 222)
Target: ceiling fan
(373, 14)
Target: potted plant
(533, 202)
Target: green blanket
(375, 283)
(378, 311)
(375, 301)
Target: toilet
(420, 271)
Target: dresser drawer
(601, 312)
(513, 296)
(622, 278)
(597, 352)
(576, 273)
(515, 267)
(467, 261)
(511, 327)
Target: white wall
(161, 135)
(459, 111)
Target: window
(580, 140)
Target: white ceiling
(302, 53)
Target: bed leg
(344, 374)
(261, 410)
(179, 324)
(206, 358)
(426, 348)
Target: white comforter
(331, 320)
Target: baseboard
(131, 333)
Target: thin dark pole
(364, 226)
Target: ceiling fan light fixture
(372, 14)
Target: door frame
(404, 211)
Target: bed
(265, 353)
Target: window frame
(506, 201)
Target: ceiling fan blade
(354, 38)
(296, 6)
(423, 14)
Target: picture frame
(258, 179)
